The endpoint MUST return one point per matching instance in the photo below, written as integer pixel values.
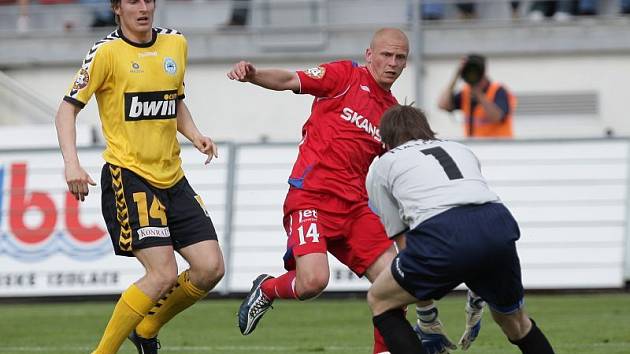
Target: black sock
(397, 333)
(534, 342)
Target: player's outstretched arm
(186, 126)
(76, 177)
(273, 79)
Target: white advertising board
(570, 198)
(50, 244)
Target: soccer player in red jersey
(326, 208)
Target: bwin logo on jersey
(150, 105)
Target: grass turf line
(575, 324)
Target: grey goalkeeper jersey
(420, 179)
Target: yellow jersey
(137, 86)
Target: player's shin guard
(534, 342)
(129, 311)
(398, 334)
(179, 298)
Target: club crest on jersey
(169, 66)
(316, 73)
(82, 80)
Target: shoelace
(260, 305)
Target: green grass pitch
(575, 324)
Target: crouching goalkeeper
(456, 231)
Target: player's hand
(474, 312)
(433, 338)
(242, 71)
(206, 146)
(78, 181)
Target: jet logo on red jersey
(349, 115)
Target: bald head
(389, 34)
(387, 56)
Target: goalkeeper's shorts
(472, 244)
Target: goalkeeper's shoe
(254, 306)
(474, 312)
(431, 333)
(144, 345)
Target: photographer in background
(487, 105)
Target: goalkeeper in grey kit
(456, 231)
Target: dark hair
(474, 68)
(402, 123)
(113, 4)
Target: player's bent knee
(515, 325)
(376, 304)
(310, 286)
(216, 272)
(164, 281)
(372, 301)
(207, 277)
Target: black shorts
(472, 244)
(139, 215)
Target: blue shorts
(472, 244)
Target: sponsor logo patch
(150, 231)
(356, 118)
(308, 215)
(82, 80)
(147, 54)
(316, 73)
(169, 66)
(135, 68)
(150, 105)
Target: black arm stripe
(74, 102)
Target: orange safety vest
(477, 125)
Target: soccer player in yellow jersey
(137, 75)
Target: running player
(326, 207)
(137, 75)
(456, 228)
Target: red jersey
(341, 137)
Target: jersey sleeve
(90, 77)
(501, 100)
(326, 80)
(383, 203)
(181, 89)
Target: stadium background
(565, 175)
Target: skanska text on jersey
(349, 115)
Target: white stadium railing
(570, 197)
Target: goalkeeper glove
(431, 332)
(474, 312)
